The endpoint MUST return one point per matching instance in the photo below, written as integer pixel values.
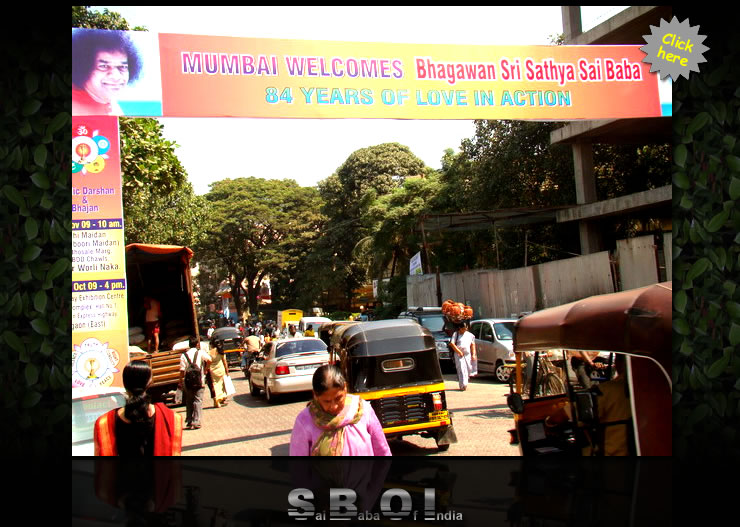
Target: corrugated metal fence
(494, 293)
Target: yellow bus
(289, 316)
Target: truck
(162, 272)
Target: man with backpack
(193, 368)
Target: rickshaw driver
(615, 412)
(251, 348)
(614, 415)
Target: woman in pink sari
(336, 423)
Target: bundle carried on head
(456, 311)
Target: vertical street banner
(99, 307)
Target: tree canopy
(82, 16)
(258, 227)
(367, 174)
(159, 204)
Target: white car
(286, 366)
(87, 405)
(314, 322)
(494, 340)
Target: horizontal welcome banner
(208, 76)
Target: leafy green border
(35, 225)
(706, 254)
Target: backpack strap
(187, 357)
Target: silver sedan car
(495, 345)
(286, 366)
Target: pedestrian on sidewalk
(462, 344)
(193, 392)
(219, 369)
(336, 423)
(139, 428)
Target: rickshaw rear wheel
(443, 447)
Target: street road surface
(249, 426)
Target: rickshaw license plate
(438, 416)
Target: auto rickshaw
(553, 414)
(228, 341)
(393, 364)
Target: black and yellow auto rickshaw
(393, 364)
(555, 414)
(228, 341)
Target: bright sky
(309, 150)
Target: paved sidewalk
(249, 426)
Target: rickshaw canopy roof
(225, 332)
(637, 322)
(144, 253)
(334, 325)
(383, 337)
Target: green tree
(506, 164)
(514, 165)
(393, 220)
(626, 169)
(83, 16)
(348, 195)
(159, 204)
(258, 227)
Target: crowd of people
(334, 423)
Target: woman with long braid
(139, 428)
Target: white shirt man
(193, 398)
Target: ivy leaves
(35, 227)
(706, 316)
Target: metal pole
(439, 289)
(428, 263)
(495, 237)
(424, 241)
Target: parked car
(494, 340)
(286, 366)
(87, 405)
(433, 319)
(228, 340)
